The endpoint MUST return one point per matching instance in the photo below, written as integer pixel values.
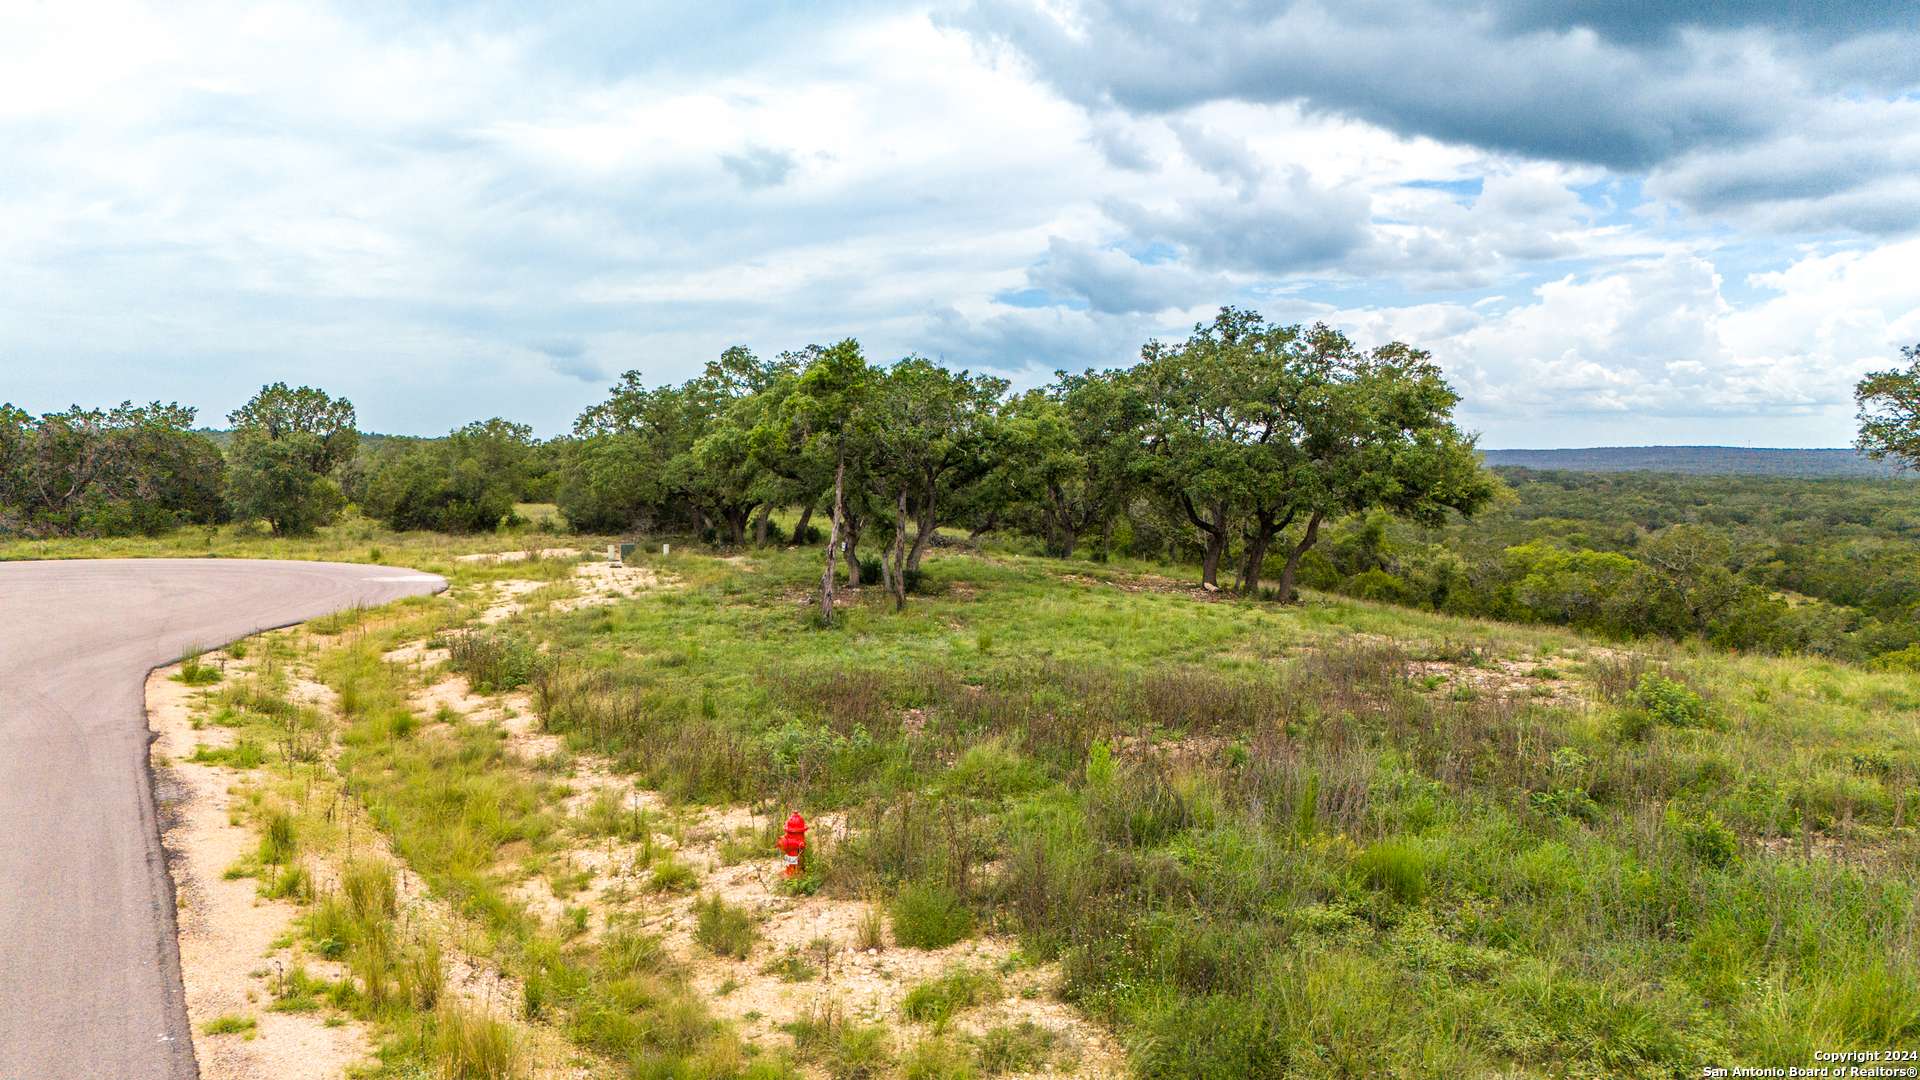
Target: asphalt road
(89, 966)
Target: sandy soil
(518, 556)
(866, 985)
(227, 932)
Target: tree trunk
(1291, 570)
(736, 526)
(1214, 528)
(760, 526)
(898, 556)
(833, 541)
(985, 527)
(1255, 562)
(850, 528)
(923, 535)
(806, 518)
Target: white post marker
(666, 549)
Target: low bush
(928, 916)
(724, 929)
(936, 1000)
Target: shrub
(725, 929)
(492, 660)
(1669, 701)
(936, 1059)
(1704, 835)
(934, 1001)
(927, 916)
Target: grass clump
(671, 874)
(230, 1024)
(930, 916)
(194, 671)
(245, 753)
(278, 841)
(1397, 866)
(937, 1059)
(846, 1049)
(1018, 1048)
(936, 1000)
(493, 660)
(724, 929)
(470, 1045)
(791, 966)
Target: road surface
(89, 967)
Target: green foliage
(1398, 867)
(286, 445)
(494, 661)
(936, 1000)
(1704, 835)
(724, 929)
(466, 482)
(1669, 701)
(1889, 404)
(129, 470)
(930, 916)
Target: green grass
(935, 1001)
(230, 1024)
(1254, 844)
(929, 916)
(724, 929)
(451, 805)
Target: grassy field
(1337, 839)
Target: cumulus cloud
(450, 212)
(1658, 339)
(1628, 87)
(1115, 283)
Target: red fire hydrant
(794, 842)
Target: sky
(1612, 224)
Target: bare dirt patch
(519, 556)
(227, 931)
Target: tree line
(1245, 436)
(1233, 447)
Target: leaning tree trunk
(985, 527)
(927, 525)
(1214, 527)
(850, 528)
(898, 556)
(806, 518)
(1290, 571)
(1255, 563)
(833, 542)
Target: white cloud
(460, 212)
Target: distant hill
(1700, 460)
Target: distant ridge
(1699, 460)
